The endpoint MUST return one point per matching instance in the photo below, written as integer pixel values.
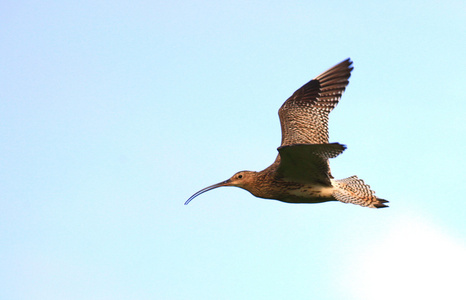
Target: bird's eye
(240, 176)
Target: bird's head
(241, 179)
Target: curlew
(301, 171)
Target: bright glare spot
(414, 261)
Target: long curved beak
(214, 186)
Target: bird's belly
(309, 194)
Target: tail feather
(354, 190)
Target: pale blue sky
(113, 113)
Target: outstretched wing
(307, 163)
(304, 116)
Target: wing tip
(345, 64)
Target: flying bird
(301, 171)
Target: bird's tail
(354, 190)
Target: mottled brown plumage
(301, 172)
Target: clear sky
(113, 113)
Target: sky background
(113, 113)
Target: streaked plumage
(301, 172)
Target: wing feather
(304, 116)
(307, 163)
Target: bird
(301, 170)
